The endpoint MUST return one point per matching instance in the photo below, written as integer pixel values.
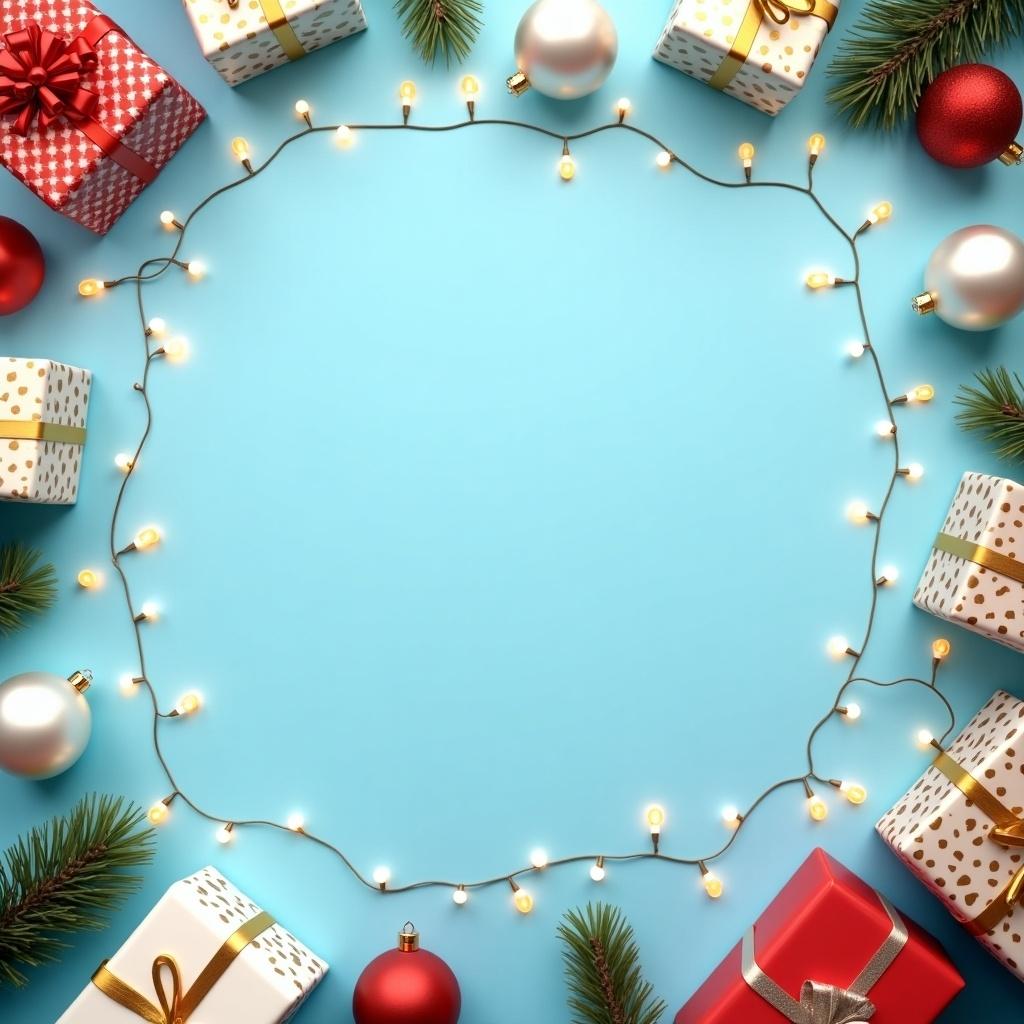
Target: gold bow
(179, 1006)
(778, 11)
(1008, 831)
(277, 22)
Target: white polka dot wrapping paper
(757, 51)
(41, 404)
(268, 978)
(141, 110)
(971, 861)
(245, 38)
(975, 571)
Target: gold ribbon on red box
(41, 81)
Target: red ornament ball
(407, 985)
(970, 115)
(22, 266)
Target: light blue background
(496, 508)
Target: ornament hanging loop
(408, 938)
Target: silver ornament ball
(45, 723)
(566, 48)
(975, 279)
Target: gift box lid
(825, 925)
(43, 390)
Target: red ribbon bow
(41, 77)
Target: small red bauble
(407, 985)
(970, 115)
(22, 266)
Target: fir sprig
(602, 969)
(63, 876)
(995, 408)
(26, 588)
(445, 27)
(899, 46)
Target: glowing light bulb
(539, 858)
(176, 350)
(655, 815)
(146, 538)
(883, 211)
(664, 159)
(854, 792)
(746, 153)
(344, 136)
(940, 648)
(407, 93)
(623, 107)
(922, 393)
(817, 808)
(855, 349)
(382, 875)
(157, 326)
(597, 871)
(295, 821)
(159, 812)
(225, 833)
(88, 579)
(818, 279)
(168, 219)
(924, 737)
(838, 647)
(567, 167)
(90, 287)
(195, 269)
(852, 712)
(815, 144)
(731, 816)
(189, 704)
(150, 612)
(460, 897)
(914, 471)
(522, 899)
(890, 574)
(857, 512)
(885, 428)
(470, 87)
(712, 884)
(124, 462)
(240, 147)
(302, 108)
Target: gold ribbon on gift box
(34, 430)
(778, 11)
(277, 22)
(1008, 831)
(179, 1005)
(985, 557)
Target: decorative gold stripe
(277, 21)
(986, 557)
(34, 430)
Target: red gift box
(827, 926)
(87, 120)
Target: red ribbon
(41, 80)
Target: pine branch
(899, 46)
(63, 876)
(25, 587)
(602, 969)
(996, 410)
(449, 27)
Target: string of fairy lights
(159, 345)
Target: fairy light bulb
(296, 821)
(160, 811)
(885, 428)
(407, 93)
(88, 579)
(924, 737)
(521, 897)
(470, 87)
(890, 574)
(225, 834)
(90, 287)
(147, 537)
(818, 279)
(168, 220)
(539, 858)
(815, 145)
(883, 211)
(858, 512)
(597, 870)
(731, 816)
(189, 704)
(381, 876)
(460, 897)
(854, 792)
(922, 393)
(851, 712)
(746, 154)
(817, 808)
(195, 269)
(344, 136)
(176, 350)
(838, 647)
(623, 107)
(655, 815)
(567, 167)
(913, 471)
(240, 147)
(124, 462)
(855, 349)
(127, 685)
(712, 883)
(302, 109)
(664, 160)
(150, 612)
(157, 326)
(940, 648)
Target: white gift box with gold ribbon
(244, 38)
(759, 51)
(960, 828)
(975, 573)
(43, 408)
(205, 954)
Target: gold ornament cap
(81, 679)
(518, 83)
(924, 303)
(1013, 154)
(408, 938)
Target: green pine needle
(899, 46)
(26, 588)
(602, 969)
(63, 876)
(448, 27)
(996, 410)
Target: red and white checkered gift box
(87, 120)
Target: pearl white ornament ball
(975, 278)
(566, 48)
(45, 723)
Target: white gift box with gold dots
(43, 408)
(244, 38)
(758, 51)
(232, 962)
